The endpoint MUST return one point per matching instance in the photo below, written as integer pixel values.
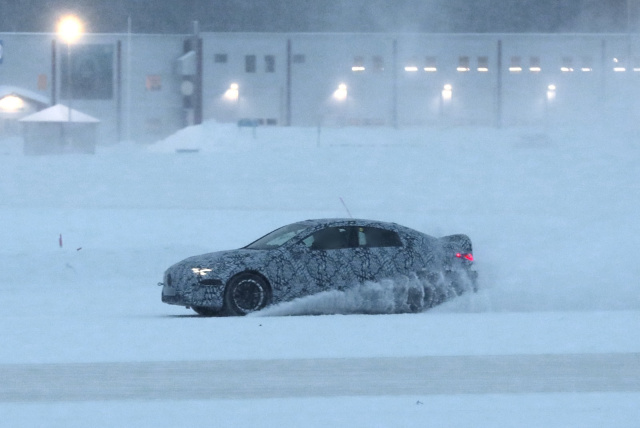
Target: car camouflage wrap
(312, 256)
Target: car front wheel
(205, 311)
(246, 293)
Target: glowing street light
(11, 103)
(232, 93)
(551, 92)
(341, 93)
(70, 29)
(447, 92)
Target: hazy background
(171, 16)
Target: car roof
(346, 221)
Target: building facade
(145, 87)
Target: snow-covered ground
(552, 214)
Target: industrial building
(145, 87)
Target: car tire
(246, 293)
(205, 311)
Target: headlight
(200, 271)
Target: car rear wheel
(246, 293)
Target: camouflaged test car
(312, 256)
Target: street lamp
(69, 29)
(232, 94)
(447, 92)
(551, 92)
(341, 93)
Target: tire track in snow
(255, 379)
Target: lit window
(154, 82)
(618, 65)
(534, 64)
(250, 63)
(516, 64)
(463, 63)
(269, 64)
(587, 64)
(567, 64)
(358, 64)
(411, 65)
(636, 63)
(431, 64)
(378, 63)
(220, 58)
(483, 64)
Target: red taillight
(466, 256)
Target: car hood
(224, 263)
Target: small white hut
(59, 129)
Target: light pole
(69, 30)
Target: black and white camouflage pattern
(295, 270)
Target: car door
(381, 253)
(330, 257)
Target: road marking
(253, 379)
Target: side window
(375, 237)
(331, 238)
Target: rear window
(376, 237)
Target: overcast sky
(175, 16)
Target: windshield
(278, 237)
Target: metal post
(288, 86)
(499, 87)
(54, 67)
(69, 89)
(197, 108)
(603, 77)
(119, 90)
(128, 113)
(197, 90)
(394, 93)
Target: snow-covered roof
(59, 113)
(23, 93)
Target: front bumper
(170, 295)
(194, 295)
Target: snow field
(552, 215)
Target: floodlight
(70, 28)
